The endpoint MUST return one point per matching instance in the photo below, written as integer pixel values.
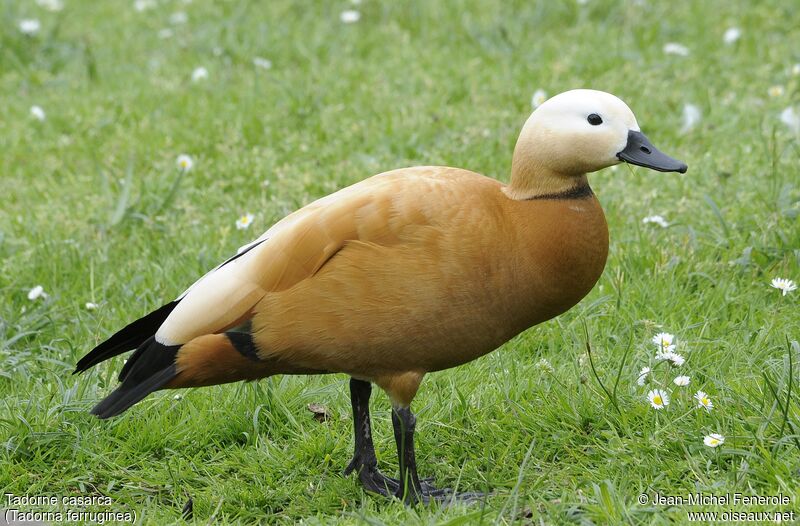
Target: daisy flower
(691, 116)
(199, 74)
(784, 285)
(538, 98)
(350, 16)
(184, 162)
(658, 398)
(776, 91)
(656, 219)
(143, 5)
(29, 26)
(714, 440)
(732, 34)
(177, 397)
(673, 48)
(545, 366)
(262, 63)
(703, 401)
(38, 113)
(791, 119)
(681, 381)
(676, 359)
(51, 5)
(178, 18)
(37, 292)
(664, 340)
(244, 221)
(90, 306)
(643, 375)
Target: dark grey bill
(641, 152)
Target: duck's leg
(411, 488)
(364, 461)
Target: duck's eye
(594, 119)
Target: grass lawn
(94, 210)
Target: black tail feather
(125, 396)
(130, 337)
(150, 368)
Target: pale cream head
(578, 131)
(574, 133)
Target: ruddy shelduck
(408, 272)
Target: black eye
(594, 119)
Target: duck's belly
(374, 310)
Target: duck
(405, 273)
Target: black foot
(376, 482)
(371, 478)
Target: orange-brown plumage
(407, 272)
(412, 289)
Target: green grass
(86, 213)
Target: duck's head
(577, 132)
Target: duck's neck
(530, 180)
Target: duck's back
(438, 267)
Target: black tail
(130, 337)
(150, 368)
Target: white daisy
(643, 376)
(262, 63)
(38, 113)
(673, 48)
(664, 340)
(37, 292)
(538, 98)
(30, 26)
(143, 5)
(51, 5)
(714, 440)
(199, 74)
(676, 359)
(656, 219)
(350, 16)
(776, 91)
(177, 397)
(784, 285)
(791, 119)
(545, 366)
(681, 381)
(179, 17)
(732, 34)
(691, 116)
(184, 162)
(244, 221)
(658, 399)
(703, 401)
(671, 356)
(90, 306)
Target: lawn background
(88, 211)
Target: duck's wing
(293, 249)
(225, 294)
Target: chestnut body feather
(407, 272)
(411, 271)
